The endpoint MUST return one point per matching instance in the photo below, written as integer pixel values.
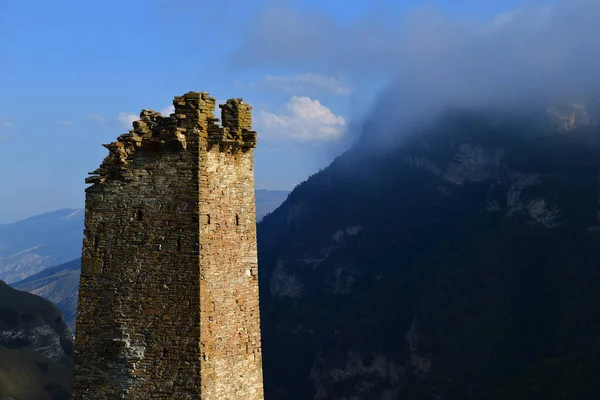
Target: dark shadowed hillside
(36, 348)
(463, 265)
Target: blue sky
(72, 72)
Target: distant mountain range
(34, 244)
(60, 285)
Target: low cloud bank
(521, 58)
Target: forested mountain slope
(461, 265)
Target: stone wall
(168, 302)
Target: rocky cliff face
(36, 348)
(29, 321)
(462, 265)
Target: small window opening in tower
(165, 352)
(237, 219)
(95, 242)
(208, 219)
(139, 215)
(179, 243)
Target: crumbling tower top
(235, 114)
(192, 122)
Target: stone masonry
(168, 299)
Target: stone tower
(168, 299)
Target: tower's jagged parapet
(236, 131)
(168, 294)
(193, 119)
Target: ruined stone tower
(168, 299)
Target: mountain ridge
(30, 245)
(426, 272)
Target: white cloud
(6, 123)
(64, 122)
(306, 120)
(168, 110)
(302, 82)
(96, 117)
(127, 118)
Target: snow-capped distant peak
(75, 212)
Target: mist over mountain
(429, 60)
